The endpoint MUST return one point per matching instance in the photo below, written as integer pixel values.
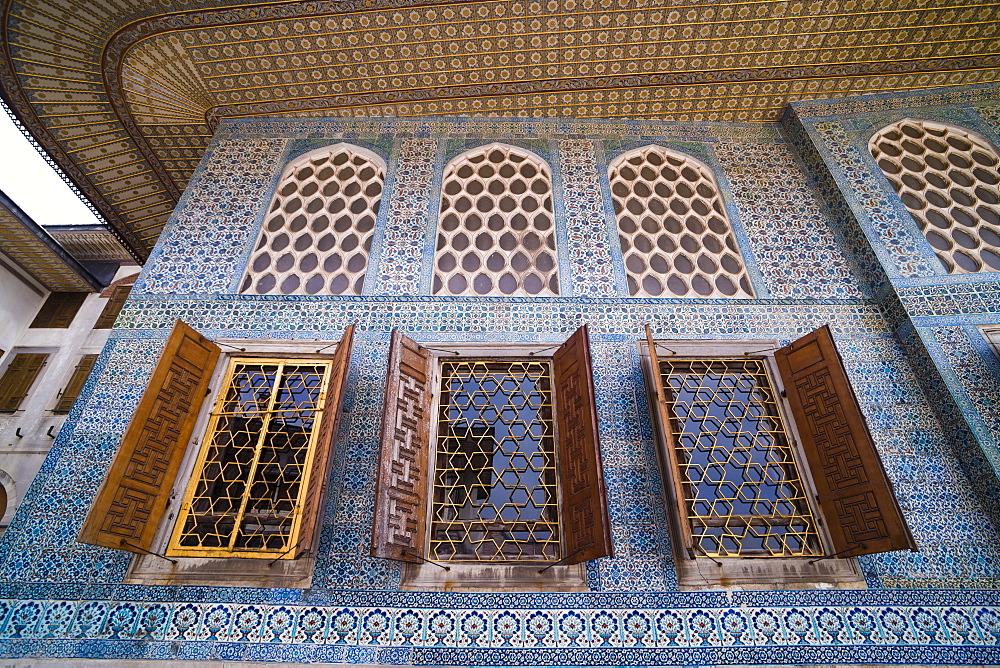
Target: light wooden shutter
(113, 307)
(59, 310)
(319, 473)
(400, 524)
(130, 503)
(18, 379)
(75, 384)
(585, 521)
(674, 479)
(854, 492)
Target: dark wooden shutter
(319, 473)
(75, 384)
(59, 310)
(130, 503)
(113, 307)
(18, 379)
(585, 521)
(854, 492)
(674, 479)
(400, 524)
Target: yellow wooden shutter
(75, 384)
(59, 310)
(319, 472)
(130, 503)
(113, 307)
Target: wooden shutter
(59, 310)
(75, 384)
(18, 379)
(854, 492)
(130, 503)
(319, 472)
(585, 521)
(113, 307)
(674, 479)
(400, 524)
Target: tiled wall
(67, 599)
(936, 310)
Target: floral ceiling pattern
(124, 96)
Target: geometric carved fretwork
(856, 495)
(586, 523)
(128, 507)
(400, 521)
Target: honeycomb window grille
(948, 180)
(675, 235)
(317, 233)
(496, 234)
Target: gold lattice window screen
(317, 235)
(496, 234)
(949, 181)
(244, 498)
(675, 234)
(495, 493)
(743, 490)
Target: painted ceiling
(124, 95)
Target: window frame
(33, 386)
(472, 574)
(696, 571)
(992, 335)
(403, 513)
(196, 456)
(149, 566)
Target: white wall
(26, 436)
(21, 299)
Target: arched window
(947, 178)
(318, 231)
(496, 234)
(674, 232)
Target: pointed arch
(317, 233)
(675, 234)
(947, 177)
(496, 232)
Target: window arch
(948, 180)
(674, 232)
(495, 230)
(317, 234)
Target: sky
(34, 186)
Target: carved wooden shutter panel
(400, 524)
(75, 384)
(675, 478)
(59, 310)
(585, 520)
(113, 307)
(18, 379)
(326, 440)
(130, 503)
(854, 492)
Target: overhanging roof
(125, 95)
(37, 253)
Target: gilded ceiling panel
(125, 96)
